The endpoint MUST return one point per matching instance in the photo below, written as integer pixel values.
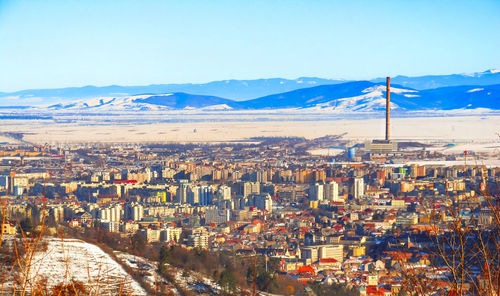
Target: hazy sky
(47, 44)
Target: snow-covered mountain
(369, 96)
(148, 103)
(357, 96)
(233, 89)
(349, 96)
(236, 90)
(107, 103)
(371, 99)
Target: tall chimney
(388, 110)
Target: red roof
(125, 181)
(336, 203)
(375, 291)
(306, 269)
(328, 260)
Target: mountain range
(407, 94)
(232, 89)
(345, 97)
(487, 77)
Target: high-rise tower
(388, 110)
(384, 147)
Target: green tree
(264, 280)
(227, 281)
(165, 258)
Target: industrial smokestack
(388, 110)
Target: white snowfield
(241, 127)
(109, 103)
(71, 259)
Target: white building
(224, 192)
(359, 187)
(170, 234)
(198, 241)
(314, 253)
(134, 212)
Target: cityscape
(312, 186)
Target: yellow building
(358, 251)
(8, 228)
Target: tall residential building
(205, 195)
(261, 201)
(193, 195)
(115, 213)
(358, 187)
(134, 212)
(246, 188)
(224, 192)
(261, 176)
(316, 192)
(182, 192)
(331, 191)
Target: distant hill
(312, 93)
(346, 97)
(309, 97)
(455, 97)
(149, 103)
(232, 89)
(369, 96)
(434, 81)
(183, 100)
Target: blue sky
(48, 44)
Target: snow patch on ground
(68, 259)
